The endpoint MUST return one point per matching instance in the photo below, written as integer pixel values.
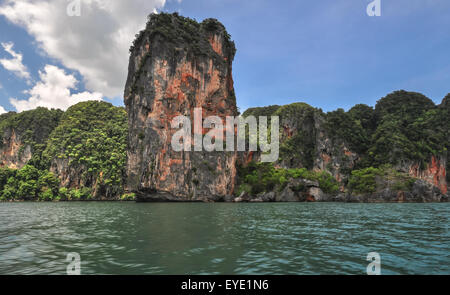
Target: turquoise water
(272, 238)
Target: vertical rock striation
(176, 65)
(434, 173)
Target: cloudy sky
(328, 53)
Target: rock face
(434, 173)
(421, 192)
(306, 141)
(176, 65)
(14, 152)
(341, 142)
(79, 154)
(302, 190)
(25, 135)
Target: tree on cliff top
(409, 127)
(183, 32)
(33, 126)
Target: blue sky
(328, 53)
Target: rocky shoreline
(421, 192)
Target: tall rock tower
(176, 65)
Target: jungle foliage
(89, 138)
(258, 178)
(366, 180)
(184, 32)
(404, 127)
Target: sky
(328, 53)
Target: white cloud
(95, 43)
(53, 91)
(15, 64)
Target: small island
(396, 151)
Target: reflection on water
(273, 238)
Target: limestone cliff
(87, 149)
(24, 135)
(49, 155)
(15, 153)
(397, 151)
(307, 141)
(406, 134)
(434, 172)
(176, 65)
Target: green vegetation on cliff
(444, 108)
(91, 138)
(87, 143)
(32, 184)
(300, 144)
(366, 180)
(409, 127)
(28, 183)
(262, 111)
(184, 32)
(258, 178)
(404, 129)
(80, 154)
(32, 128)
(297, 146)
(345, 126)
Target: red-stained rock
(435, 173)
(14, 153)
(187, 66)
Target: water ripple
(303, 238)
